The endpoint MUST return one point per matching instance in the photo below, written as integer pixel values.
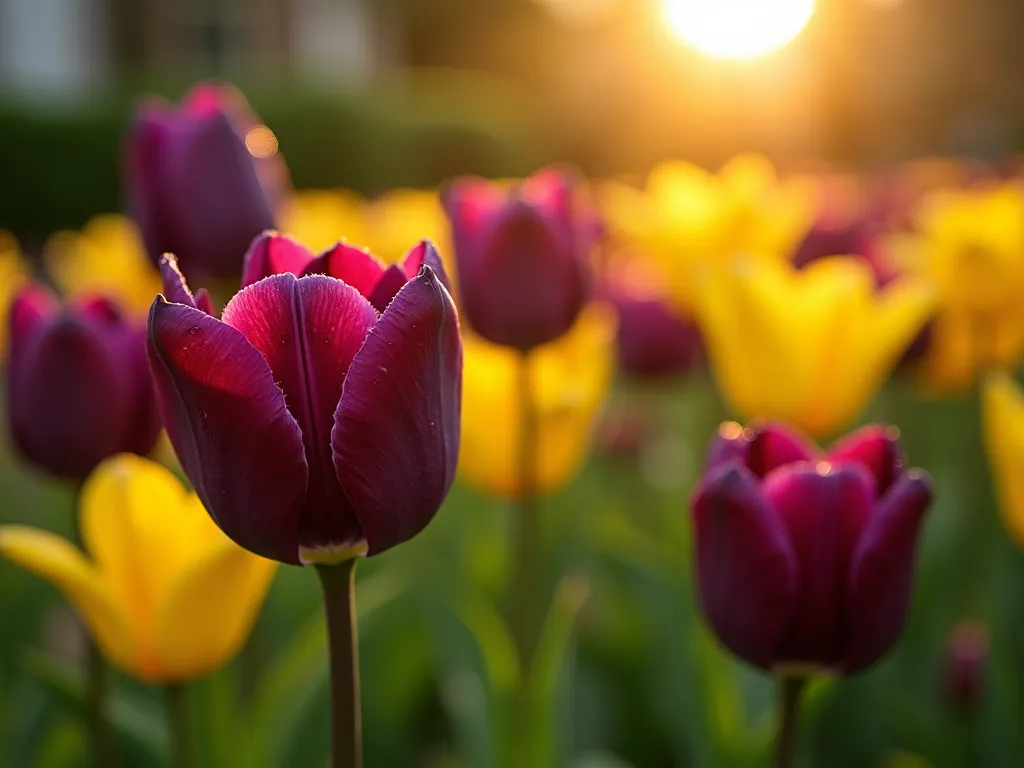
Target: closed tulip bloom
(198, 180)
(522, 257)
(809, 346)
(318, 419)
(965, 666)
(1003, 427)
(79, 389)
(570, 379)
(805, 558)
(164, 593)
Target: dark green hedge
(58, 168)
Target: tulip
(1003, 430)
(570, 379)
(690, 220)
(202, 179)
(809, 346)
(521, 256)
(318, 419)
(105, 257)
(79, 389)
(963, 675)
(13, 273)
(971, 246)
(805, 559)
(165, 595)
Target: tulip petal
(57, 561)
(309, 330)
(351, 264)
(236, 440)
(30, 309)
(746, 566)
(145, 180)
(389, 284)
(176, 288)
(210, 611)
(875, 447)
(272, 253)
(425, 252)
(396, 429)
(775, 445)
(882, 571)
(824, 509)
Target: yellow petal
(60, 563)
(1003, 425)
(143, 530)
(14, 271)
(570, 379)
(210, 611)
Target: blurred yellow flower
(1003, 425)
(388, 225)
(811, 346)
(971, 246)
(105, 257)
(687, 217)
(13, 273)
(570, 381)
(166, 595)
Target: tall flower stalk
(338, 582)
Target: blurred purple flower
(965, 666)
(654, 340)
(79, 389)
(195, 187)
(805, 558)
(318, 419)
(522, 256)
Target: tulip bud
(78, 384)
(522, 257)
(654, 340)
(203, 179)
(805, 558)
(966, 661)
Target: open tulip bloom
(805, 558)
(318, 418)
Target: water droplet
(383, 369)
(193, 330)
(204, 415)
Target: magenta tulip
(805, 558)
(319, 417)
(79, 389)
(522, 256)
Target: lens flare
(737, 29)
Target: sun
(737, 29)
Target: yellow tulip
(570, 378)
(13, 273)
(165, 594)
(388, 225)
(105, 257)
(971, 246)
(690, 219)
(807, 346)
(1003, 426)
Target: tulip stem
(338, 582)
(100, 744)
(791, 687)
(179, 725)
(525, 584)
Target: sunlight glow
(737, 29)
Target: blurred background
(377, 95)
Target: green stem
(338, 582)
(525, 585)
(790, 689)
(179, 725)
(100, 743)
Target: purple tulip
(78, 385)
(522, 256)
(654, 341)
(194, 188)
(318, 419)
(805, 558)
(966, 663)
